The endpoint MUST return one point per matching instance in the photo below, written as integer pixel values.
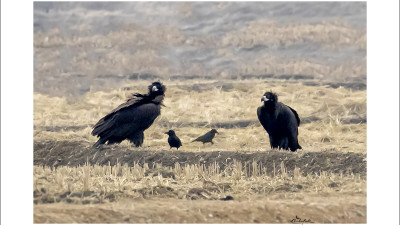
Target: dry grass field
(325, 182)
(332, 119)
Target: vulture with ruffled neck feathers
(130, 119)
(280, 121)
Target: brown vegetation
(324, 182)
(192, 193)
(332, 119)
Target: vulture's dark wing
(135, 99)
(126, 119)
(296, 115)
(261, 117)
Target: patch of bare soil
(225, 125)
(64, 153)
(273, 209)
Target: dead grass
(193, 107)
(345, 209)
(331, 34)
(152, 193)
(258, 197)
(93, 54)
(102, 184)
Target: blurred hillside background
(83, 46)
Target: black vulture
(173, 140)
(130, 119)
(280, 121)
(208, 137)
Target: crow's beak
(154, 88)
(166, 133)
(264, 99)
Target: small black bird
(207, 137)
(280, 121)
(130, 119)
(173, 140)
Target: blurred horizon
(82, 46)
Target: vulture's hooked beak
(154, 88)
(264, 99)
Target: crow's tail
(197, 139)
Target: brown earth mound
(63, 153)
(264, 210)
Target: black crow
(280, 121)
(207, 137)
(130, 119)
(173, 140)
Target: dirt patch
(224, 125)
(64, 153)
(346, 209)
(355, 84)
(60, 128)
(69, 214)
(295, 77)
(91, 197)
(159, 190)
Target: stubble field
(325, 182)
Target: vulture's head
(156, 88)
(156, 92)
(269, 98)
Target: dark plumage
(130, 119)
(208, 137)
(280, 121)
(173, 140)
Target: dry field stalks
(116, 192)
(325, 182)
(332, 119)
(252, 49)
